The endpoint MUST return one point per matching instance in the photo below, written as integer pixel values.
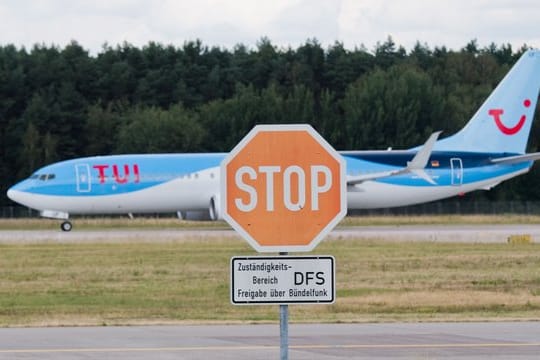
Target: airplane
(487, 151)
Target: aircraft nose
(14, 195)
(17, 192)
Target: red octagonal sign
(283, 188)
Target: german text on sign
(282, 280)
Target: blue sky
(225, 23)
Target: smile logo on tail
(496, 113)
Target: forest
(61, 103)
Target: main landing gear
(66, 226)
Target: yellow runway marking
(291, 347)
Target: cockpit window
(43, 177)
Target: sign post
(284, 332)
(283, 190)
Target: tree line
(60, 103)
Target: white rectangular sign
(283, 280)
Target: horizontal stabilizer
(517, 159)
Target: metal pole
(284, 331)
(284, 328)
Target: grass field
(188, 282)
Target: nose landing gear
(66, 226)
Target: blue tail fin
(503, 122)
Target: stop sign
(283, 188)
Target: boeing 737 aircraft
(488, 150)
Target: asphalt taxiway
(512, 340)
(484, 233)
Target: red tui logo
(496, 113)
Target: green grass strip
(188, 282)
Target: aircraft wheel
(66, 226)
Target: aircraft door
(457, 171)
(82, 173)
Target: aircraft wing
(373, 176)
(416, 165)
(517, 158)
